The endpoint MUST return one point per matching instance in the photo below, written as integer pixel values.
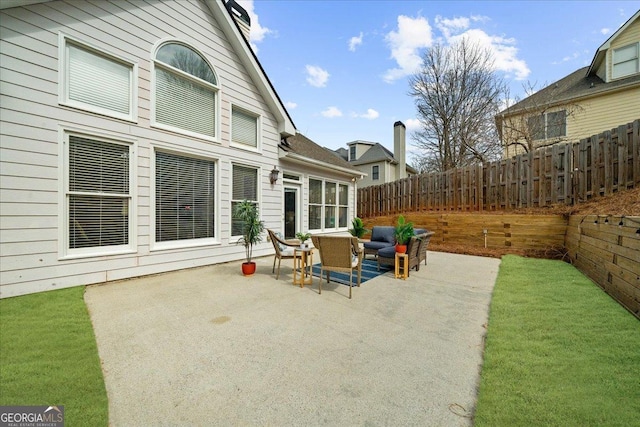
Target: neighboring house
(379, 164)
(129, 130)
(593, 99)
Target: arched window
(186, 90)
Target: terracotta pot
(401, 249)
(248, 268)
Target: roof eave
(257, 74)
(297, 158)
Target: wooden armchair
(339, 254)
(283, 248)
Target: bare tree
(536, 121)
(457, 94)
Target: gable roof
(298, 148)
(601, 53)
(377, 153)
(242, 48)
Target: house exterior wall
(604, 112)
(33, 123)
(384, 174)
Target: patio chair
(284, 249)
(339, 254)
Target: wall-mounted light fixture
(273, 176)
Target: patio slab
(207, 346)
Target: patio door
(291, 214)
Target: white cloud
(258, 32)
(412, 124)
(412, 35)
(503, 49)
(371, 114)
(605, 31)
(451, 26)
(332, 112)
(355, 41)
(290, 105)
(316, 76)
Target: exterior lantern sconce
(273, 176)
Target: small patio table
(302, 261)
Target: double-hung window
(375, 172)
(98, 195)
(626, 61)
(186, 91)
(97, 82)
(244, 187)
(244, 128)
(343, 205)
(328, 205)
(185, 198)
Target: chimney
(241, 17)
(400, 149)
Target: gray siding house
(128, 132)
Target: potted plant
(303, 237)
(252, 228)
(358, 229)
(403, 233)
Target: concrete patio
(207, 346)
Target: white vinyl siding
(185, 92)
(98, 201)
(244, 187)
(244, 128)
(626, 61)
(97, 82)
(185, 198)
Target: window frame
(158, 64)
(232, 200)
(375, 172)
(258, 118)
(64, 43)
(544, 118)
(324, 205)
(352, 153)
(155, 245)
(636, 59)
(64, 251)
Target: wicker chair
(340, 254)
(284, 250)
(416, 249)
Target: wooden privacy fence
(567, 173)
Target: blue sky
(341, 67)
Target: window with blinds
(185, 90)
(185, 198)
(244, 128)
(626, 61)
(98, 193)
(244, 187)
(98, 83)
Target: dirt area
(624, 203)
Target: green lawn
(48, 356)
(559, 351)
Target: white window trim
(217, 88)
(259, 174)
(613, 59)
(63, 41)
(155, 246)
(258, 147)
(64, 253)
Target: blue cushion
(377, 245)
(383, 234)
(388, 252)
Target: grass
(559, 351)
(48, 356)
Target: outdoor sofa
(416, 249)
